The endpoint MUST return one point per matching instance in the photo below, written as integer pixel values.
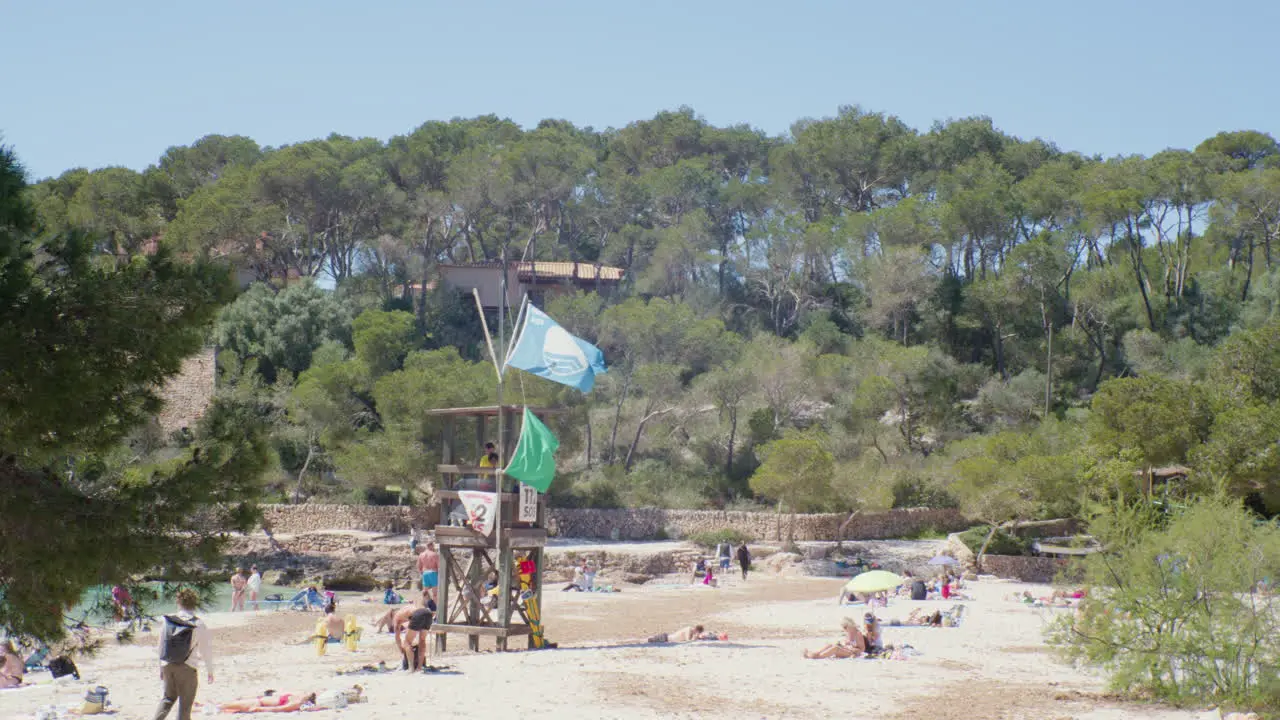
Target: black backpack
(62, 665)
(179, 637)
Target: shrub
(910, 490)
(1003, 543)
(928, 532)
(1178, 611)
(712, 538)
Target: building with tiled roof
(540, 279)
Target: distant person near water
(238, 584)
(255, 586)
(429, 566)
(122, 603)
(744, 559)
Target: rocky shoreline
(362, 561)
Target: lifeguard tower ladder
(467, 557)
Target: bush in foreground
(1181, 609)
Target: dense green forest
(855, 315)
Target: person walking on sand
(429, 566)
(744, 559)
(255, 586)
(724, 553)
(238, 583)
(185, 641)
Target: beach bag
(177, 639)
(62, 666)
(334, 699)
(95, 701)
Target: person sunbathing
(271, 702)
(921, 617)
(854, 644)
(687, 634)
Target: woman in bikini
(274, 702)
(854, 644)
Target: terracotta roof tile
(549, 270)
(569, 271)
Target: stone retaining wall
(641, 524)
(649, 524)
(1024, 568)
(311, 517)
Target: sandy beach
(995, 665)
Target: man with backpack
(185, 641)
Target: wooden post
(475, 585)
(442, 596)
(504, 591)
(446, 446)
(538, 570)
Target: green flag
(534, 461)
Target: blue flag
(547, 350)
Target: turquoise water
(219, 601)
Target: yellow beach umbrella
(873, 581)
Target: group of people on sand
(724, 555)
(945, 587)
(867, 640)
(242, 583)
(1060, 598)
(584, 577)
(411, 623)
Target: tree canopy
(911, 294)
(87, 337)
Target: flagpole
(488, 338)
(516, 329)
(503, 452)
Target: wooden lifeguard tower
(468, 557)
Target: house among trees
(1161, 480)
(542, 280)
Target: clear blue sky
(94, 83)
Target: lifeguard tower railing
(468, 558)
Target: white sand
(994, 666)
